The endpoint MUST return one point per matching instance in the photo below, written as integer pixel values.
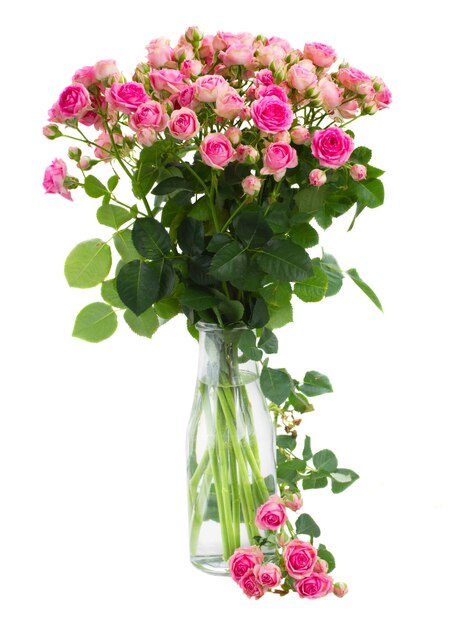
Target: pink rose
(321, 566)
(150, 114)
(283, 43)
(234, 134)
(355, 80)
(193, 34)
(146, 136)
(332, 147)
(331, 94)
(320, 54)
(268, 575)
(251, 586)
(283, 136)
(271, 114)
(73, 101)
(268, 54)
(206, 50)
(85, 163)
(85, 75)
(246, 154)
(126, 97)
(104, 145)
(217, 151)
(293, 502)
(349, 109)
(106, 69)
(265, 77)
(207, 88)
(272, 514)
(251, 185)
(340, 589)
(191, 67)
(244, 560)
(383, 96)
(184, 52)
(301, 77)
(167, 80)
(223, 40)
(229, 104)
(317, 178)
(300, 558)
(159, 52)
(299, 135)
(183, 124)
(277, 157)
(358, 172)
(314, 586)
(54, 177)
(186, 98)
(273, 90)
(237, 54)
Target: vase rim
(209, 327)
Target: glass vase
(230, 450)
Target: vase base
(211, 565)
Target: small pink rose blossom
(234, 134)
(207, 88)
(246, 154)
(206, 50)
(321, 566)
(244, 560)
(150, 114)
(301, 77)
(283, 136)
(217, 151)
(277, 157)
(268, 54)
(265, 77)
(355, 80)
(186, 98)
(106, 69)
(183, 52)
(277, 41)
(237, 54)
(104, 145)
(268, 575)
(251, 586)
(183, 124)
(229, 104)
(300, 558)
(293, 502)
(358, 171)
(126, 97)
(317, 178)
(85, 163)
(272, 514)
(85, 75)
(340, 589)
(299, 135)
(349, 109)
(73, 101)
(273, 90)
(271, 114)
(146, 136)
(54, 177)
(320, 54)
(382, 96)
(314, 586)
(331, 95)
(191, 68)
(251, 185)
(167, 80)
(159, 52)
(332, 147)
(51, 131)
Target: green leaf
(276, 384)
(218, 241)
(191, 236)
(370, 192)
(284, 260)
(300, 402)
(288, 471)
(247, 344)
(232, 310)
(334, 274)
(315, 384)
(352, 273)
(305, 525)
(140, 284)
(110, 295)
(229, 261)
(198, 299)
(170, 185)
(201, 209)
(113, 216)
(167, 308)
(150, 238)
(314, 482)
(310, 200)
(93, 187)
(307, 450)
(260, 314)
(312, 289)
(304, 235)
(124, 245)
(95, 322)
(148, 167)
(342, 479)
(361, 155)
(280, 315)
(325, 460)
(145, 324)
(327, 556)
(360, 207)
(373, 172)
(252, 229)
(268, 341)
(88, 264)
(286, 442)
(113, 182)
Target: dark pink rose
(243, 560)
(54, 179)
(217, 151)
(300, 558)
(74, 101)
(272, 514)
(332, 147)
(271, 114)
(126, 97)
(314, 586)
(251, 586)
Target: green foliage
(305, 525)
(150, 238)
(268, 341)
(125, 247)
(342, 479)
(145, 324)
(96, 322)
(113, 216)
(327, 556)
(276, 384)
(229, 261)
(325, 460)
(93, 187)
(191, 236)
(312, 289)
(315, 384)
(352, 273)
(141, 284)
(110, 295)
(284, 260)
(247, 344)
(88, 264)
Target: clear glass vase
(230, 450)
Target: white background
(93, 525)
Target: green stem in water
(226, 521)
(200, 507)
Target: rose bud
(293, 502)
(51, 131)
(358, 172)
(340, 589)
(283, 136)
(251, 185)
(193, 34)
(246, 154)
(85, 163)
(299, 135)
(74, 153)
(317, 178)
(321, 566)
(234, 135)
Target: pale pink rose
(293, 502)
(277, 41)
(251, 185)
(273, 90)
(167, 80)
(349, 109)
(244, 560)
(320, 54)
(265, 77)
(246, 154)
(234, 135)
(54, 114)
(159, 52)
(271, 114)
(331, 95)
(183, 124)
(146, 136)
(321, 566)
(223, 40)
(73, 101)
(317, 178)
(358, 172)
(332, 147)
(54, 179)
(150, 114)
(85, 75)
(126, 97)
(301, 77)
(104, 145)
(340, 589)
(272, 514)
(300, 558)
(314, 586)
(355, 80)
(207, 88)
(191, 68)
(193, 34)
(283, 136)
(106, 69)
(184, 52)
(268, 54)
(217, 151)
(206, 50)
(51, 131)
(237, 54)
(229, 104)
(85, 163)
(282, 539)
(268, 575)
(382, 96)
(299, 135)
(251, 586)
(277, 157)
